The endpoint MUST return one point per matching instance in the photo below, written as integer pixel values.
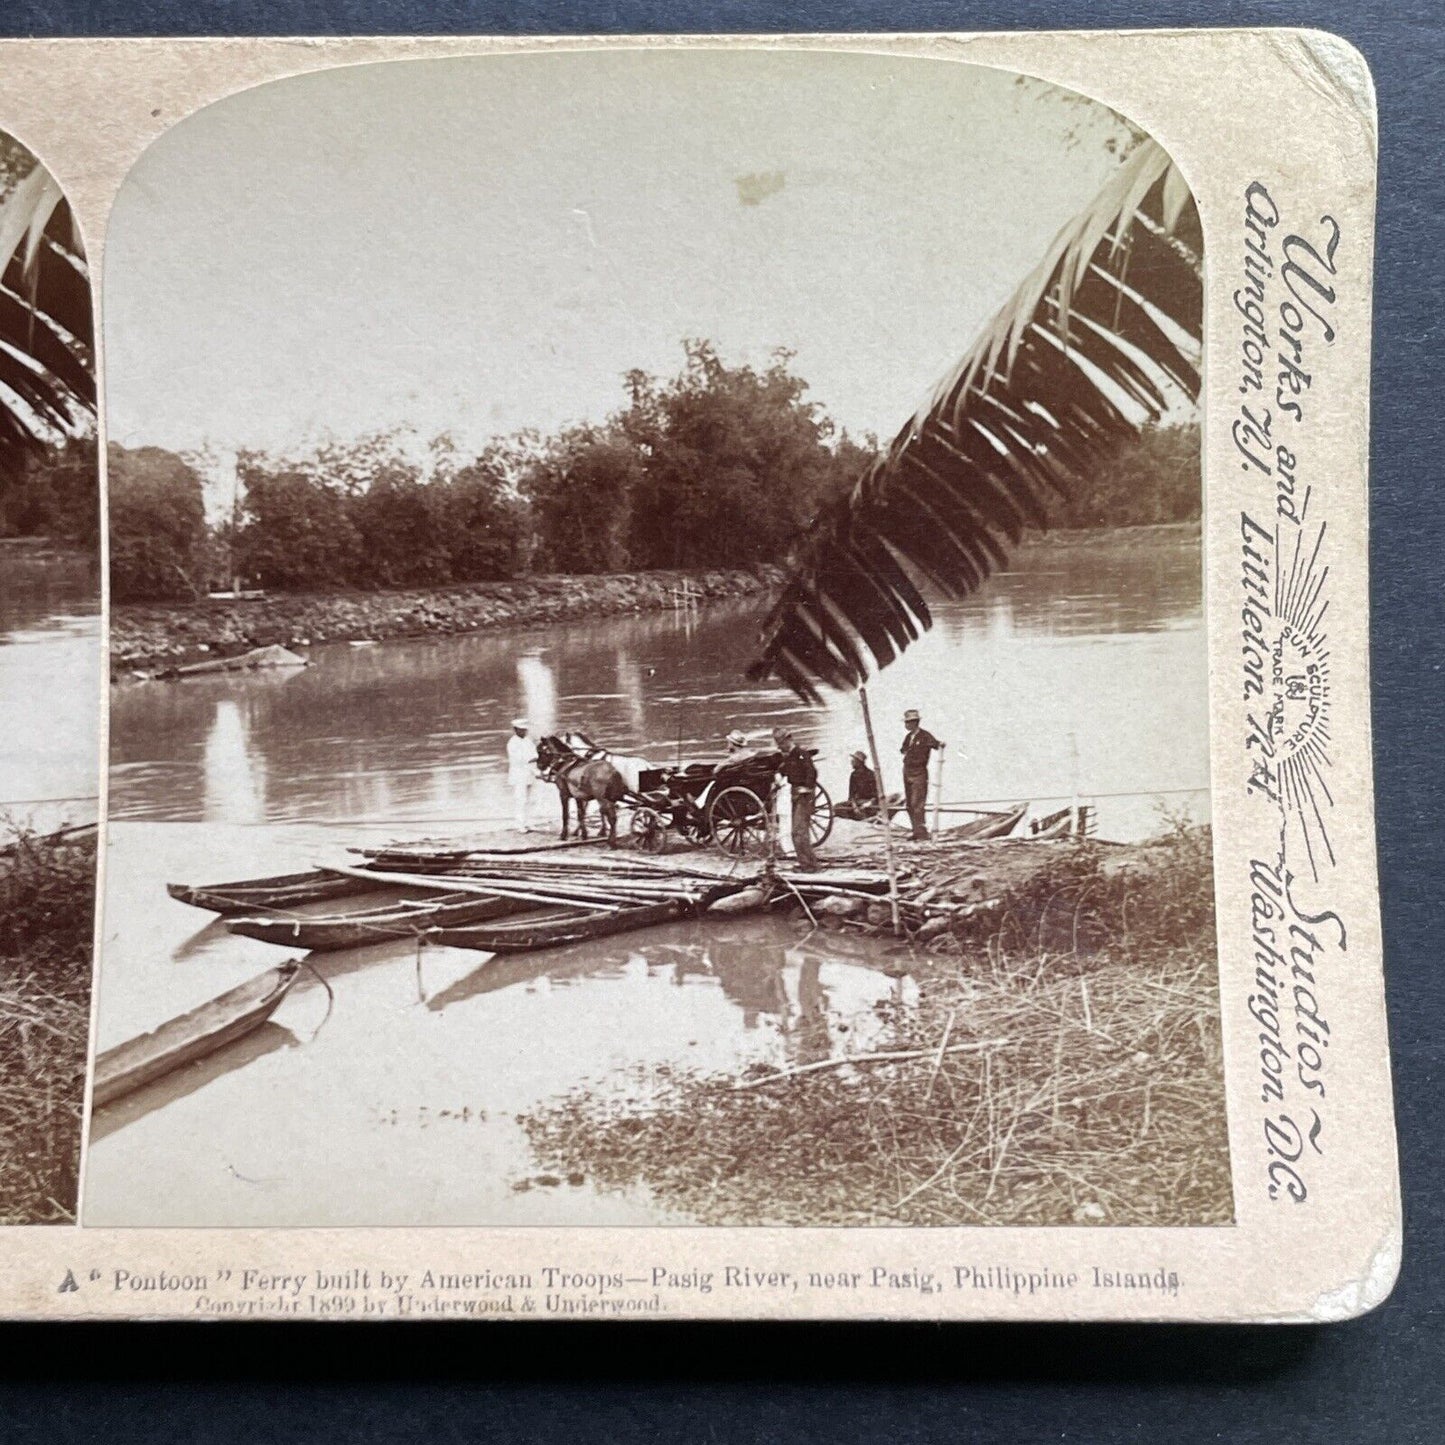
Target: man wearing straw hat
(521, 770)
(917, 750)
(862, 791)
(796, 768)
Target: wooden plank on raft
(458, 885)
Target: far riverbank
(161, 635)
(145, 637)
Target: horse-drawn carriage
(726, 803)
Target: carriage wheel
(739, 821)
(822, 817)
(649, 830)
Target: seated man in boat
(862, 791)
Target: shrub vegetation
(716, 466)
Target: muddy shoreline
(146, 636)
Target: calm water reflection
(50, 676)
(402, 1108)
(1085, 667)
(1082, 670)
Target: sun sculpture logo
(1299, 713)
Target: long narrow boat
(191, 1036)
(989, 825)
(295, 890)
(326, 933)
(285, 890)
(1056, 825)
(557, 927)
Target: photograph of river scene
(492, 436)
(51, 676)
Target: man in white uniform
(521, 770)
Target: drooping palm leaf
(1097, 340)
(47, 373)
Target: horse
(631, 767)
(583, 780)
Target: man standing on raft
(521, 770)
(917, 749)
(796, 768)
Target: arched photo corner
(537, 399)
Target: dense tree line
(55, 494)
(715, 466)
(1156, 478)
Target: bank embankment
(148, 636)
(1059, 1063)
(47, 910)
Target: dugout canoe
(326, 933)
(990, 825)
(558, 927)
(1056, 825)
(191, 1036)
(284, 890)
(256, 658)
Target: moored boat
(326, 933)
(284, 890)
(557, 927)
(1056, 825)
(987, 825)
(191, 1036)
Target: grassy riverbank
(47, 907)
(150, 635)
(1061, 1065)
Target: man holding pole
(917, 750)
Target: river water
(1081, 672)
(50, 678)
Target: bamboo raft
(191, 1036)
(505, 901)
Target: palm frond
(1096, 341)
(47, 366)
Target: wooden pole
(1074, 784)
(883, 800)
(467, 885)
(938, 795)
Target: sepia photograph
(50, 688)
(658, 671)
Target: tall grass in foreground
(1062, 1065)
(47, 910)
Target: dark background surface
(1378, 1378)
